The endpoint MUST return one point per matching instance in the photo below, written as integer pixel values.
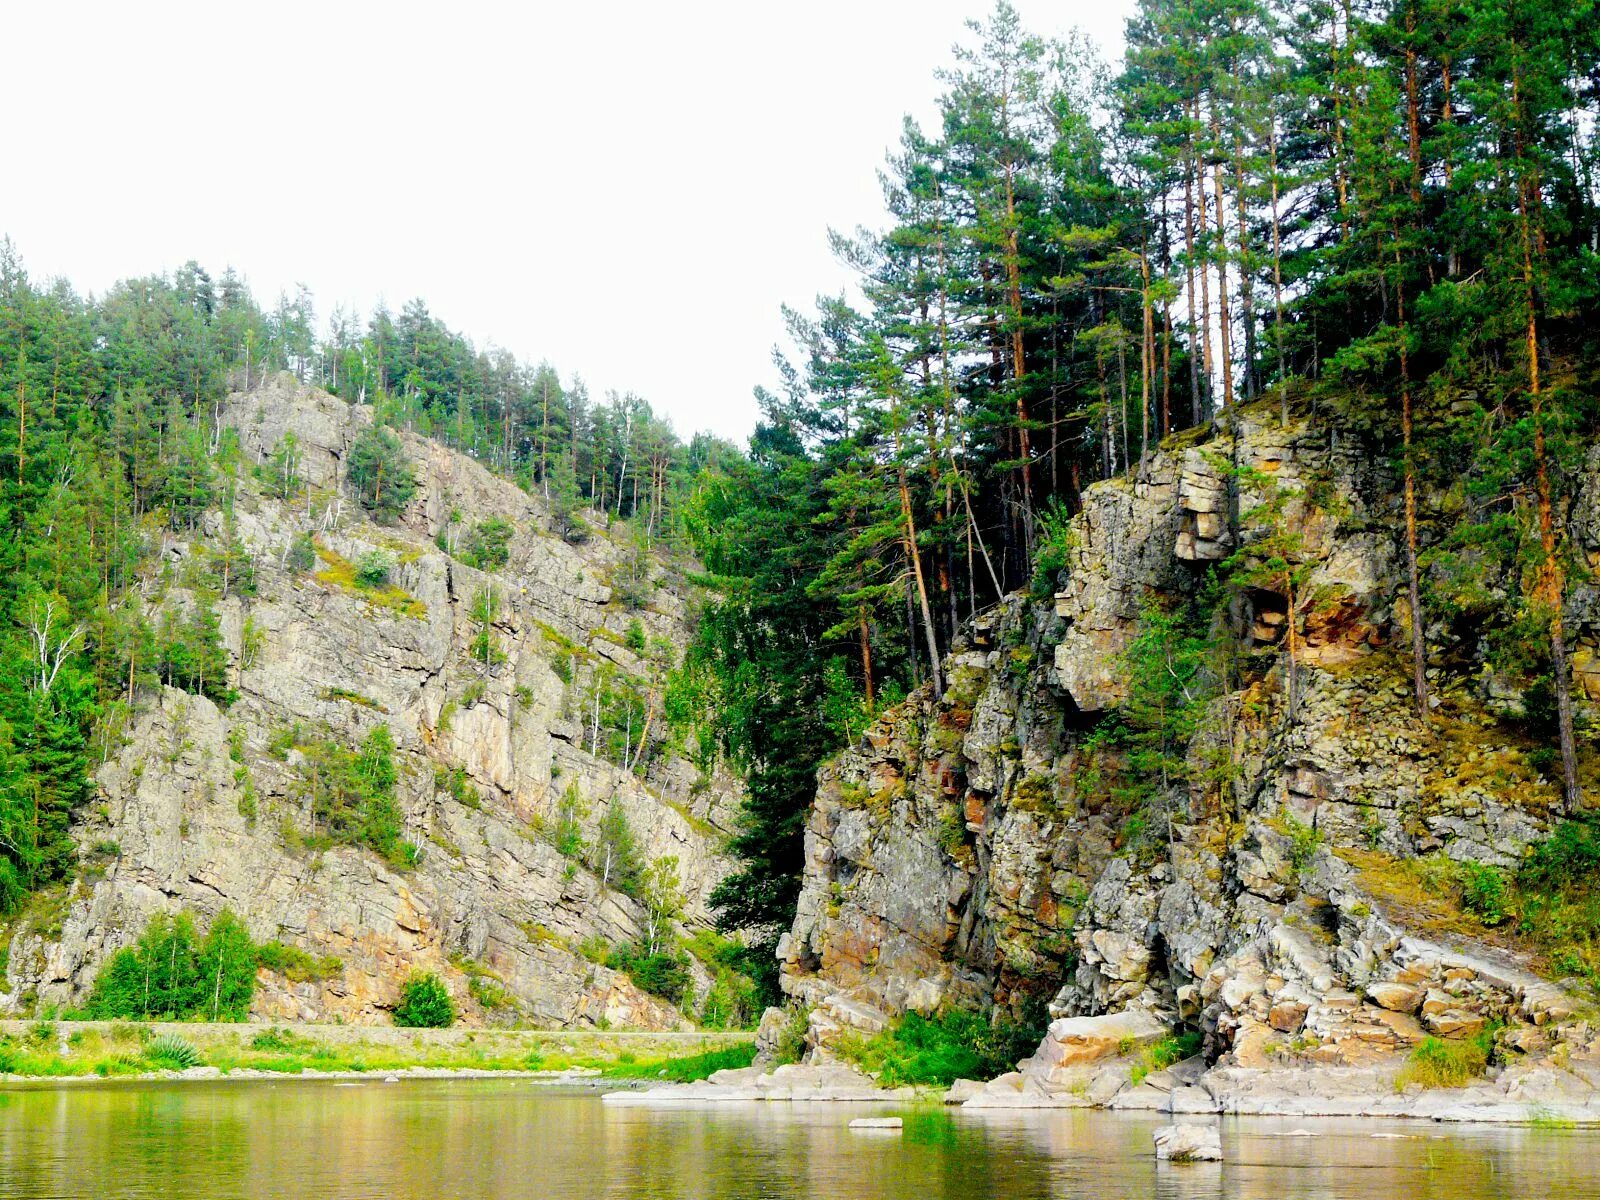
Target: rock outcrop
(203, 808)
(978, 849)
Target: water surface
(507, 1138)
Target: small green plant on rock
(1163, 1054)
(1303, 842)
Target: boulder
(1188, 1143)
(1076, 1040)
(962, 1090)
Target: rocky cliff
(981, 848)
(204, 807)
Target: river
(434, 1139)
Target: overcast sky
(627, 189)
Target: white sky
(628, 189)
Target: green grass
(339, 572)
(1438, 1063)
(685, 1069)
(1543, 1118)
(1163, 1054)
(130, 1048)
(1548, 908)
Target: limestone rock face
(991, 847)
(207, 808)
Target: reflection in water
(507, 1138)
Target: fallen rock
(774, 1024)
(892, 1123)
(794, 1083)
(1075, 1040)
(963, 1090)
(1188, 1143)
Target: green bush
(1303, 842)
(1568, 857)
(1054, 554)
(169, 1052)
(791, 1045)
(1483, 892)
(940, 1050)
(661, 974)
(352, 795)
(733, 1000)
(574, 529)
(424, 1003)
(302, 555)
(1163, 1054)
(1437, 1063)
(295, 964)
(373, 568)
(634, 638)
(281, 1041)
(488, 545)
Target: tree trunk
(915, 556)
(866, 656)
(1205, 286)
(1277, 272)
(1419, 648)
(1189, 297)
(1224, 317)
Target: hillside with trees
(1374, 224)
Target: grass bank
(49, 1050)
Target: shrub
(488, 545)
(1483, 892)
(373, 568)
(631, 582)
(1054, 554)
(661, 974)
(792, 1038)
(940, 1050)
(1569, 856)
(352, 795)
(424, 1003)
(567, 834)
(302, 554)
(634, 639)
(295, 964)
(169, 1052)
(279, 1040)
(574, 529)
(1303, 842)
(1437, 1063)
(687, 1068)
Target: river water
(438, 1139)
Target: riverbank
(1536, 1096)
(44, 1051)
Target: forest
(1380, 217)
